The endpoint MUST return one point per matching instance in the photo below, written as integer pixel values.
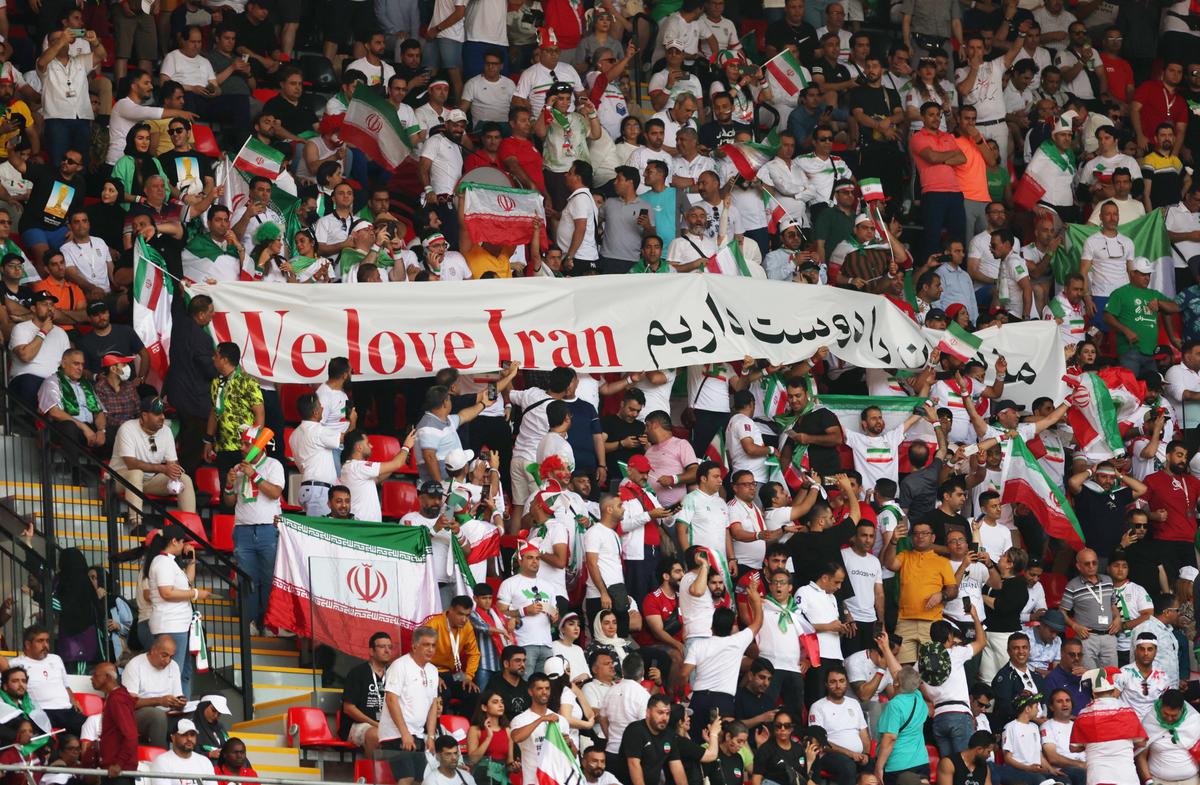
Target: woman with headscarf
(605, 638)
(107, 216)
(119, 616)
(80, 610)
(269, 262)
(138, 164)
(210, 734)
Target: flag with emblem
(1092, 416)
(373, 126)
(958, 343)
(557, 764)
(1150, 240)
(872, 189)
(728, 261)
(788, 73)
(1023, 480)
(776, 212)
(152, 292)
(339, 582)
(259, 159)
(749, 157)
(500, 215)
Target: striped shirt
(1090, 604)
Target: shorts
(442, 53)
(358, 733)
(406, 764)
(51, 237)
(349, 18)
(136, 34)
(289, 11)
(914, 632)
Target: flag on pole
(556, 762)
(789, 74)
(728, 261)
(1126, 390)
(1150, 240)
(259, 159)
(1092, 416)
(372, 126)
(1023, 480)
(500, 215)
(958, 343)
(872, 189)
(152, 292)
(749, 157)
(339, 582)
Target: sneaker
(284, 633)
(254, 631)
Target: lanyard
(454, 639)
(1098, 595)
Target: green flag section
(1150, 240)
(1023, 480)
(339, 582)
(557, 764)
(749, 157)
(895, 409)
(373, 126)
(728, 261)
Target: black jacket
(191, 373)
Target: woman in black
(781, 760)
(693, 756)
(1005, 595)
(107, 217)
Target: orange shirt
(480, 262)
(972, 176)
(922, 573)
(70, 296)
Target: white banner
(289, 332)
(1034, 353)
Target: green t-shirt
(1131, 306)
(642, 267)
(833, 226)
(909, 751)
(997, 181)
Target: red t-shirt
(1159, 106)
(527, 156)
(481, 158)
(657, 604)
(1177, 495)
(1119, 75)
(566, 21)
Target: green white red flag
(504, 216)
(557, 764)
(152, 293)
(256, 158)
(728, 261)
(1024, 481)
(749, 157)
(789, 74)
(372, 125)
(1093, 417)
(958, 343)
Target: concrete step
(262, 658)
(34, 490)
(257, 642)
(271, 699)
(261, 754)
(290, 772)
(279, 675)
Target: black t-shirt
(201, 166)
(746, 705)
(1144, 557)
(832, 72)
(876, 103)
(1102, 516)
(811, 551)
(714, 134)
(415, 96)
(777, 764)
(365, 690)
(653, 750)
(617, 429)
(259, 38)
(825, 461)
(689, 753)
(21, 295)
(52, 199)
(516, 699)
(121, 340)
(296, 119)
(725, 770)
(802, 35)
(943, 523)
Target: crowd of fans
(677, 614)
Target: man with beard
(721, 129)
(441, 165)
(1171, 495)
(875, 452)
(879, 112)
(814, 430)
(690, 251)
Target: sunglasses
(178, 131)
(783, 725)
(824, 139)
(153, 446)
(72, 162)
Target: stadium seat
(289, 394)
(399, 499)
(374, 772)
(383, 448)
(89, 703)
(307, 728)
(1054, 584)
(191, 521)
(208, 481)
(456, 726)
(222, 536)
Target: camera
(944, 258)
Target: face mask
(126, 373)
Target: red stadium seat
(148, 754)
(308, 728)
(191, 521)
(222, 538)
(1055, 585)
(208, 481)
(456, 726)
(399, 499)
(288, 395)
(89, 704)
(374, 772)
(384, 448)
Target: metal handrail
(162, 775)
(637, 60)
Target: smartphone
(245, 58)
(966, 605)
(645, 213)
(491, 391)
(973, 547)
(78, 32)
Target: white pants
(523, 485)
(998, 132)
(315, 500)
(995, 655)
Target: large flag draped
(1023, 480)
(895, 409)
(339, 582)
(373, 126)
(1149, 236)
(1093, 417)
(152, 291)
(500, 215)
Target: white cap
(1189, 573)
(1065, 123)
(459, 458)
(863, 218)
(219, 703)
(456, 116)
(1141, 264)
(674, 43)
(185, 726)
(555, 666)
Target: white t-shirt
(376, 74)
(1058, 735)
(313, 446)
(48, 357)
(821, 607)
(579, 205)
(952, 695)
(708, 385)
(170, 761)
(489, 100)
(442, 9)
(132, 441)
(624, 704)
(606, 544)
(706, 518)
(741, 427)
(987, 95)
(970, 585)
(486, 22)
(1037, 602)
(876, 457)
(556, 444)
(1110, 258)
(712, 658)
(1013, 270)
(1181, 379)
(841, 721)
(695, 612)
(125, 115)
(780, 647)
(536, 80)
(531, 748)
(520, 591)
(168, 615)
(47, 681)
(359, 477)
(1023, 741)
(747, 518)
(686, 249)
(995, 539)
(534, 422)
(416, 686)
(864, 573)
(335, 408)
(90, 259)
(188, 71)
(554, 578)
(859, 668)
(262, 510)
(447, 160)
(143, 680)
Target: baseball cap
(42, 296)
(152, 404)
(863, 218)
(459, 458)
(674, 43)
(937, 313)
(1142, 265)
(639, 462)
(456, 116)
(1003, 404)
(112, 358)
(97, 306)
(185, 726)
(431, 488)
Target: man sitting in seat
(145, 457)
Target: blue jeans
(952, 732)
(484, 678)
(1098, 319)
(254, 549)
(54, 239)
(535, 658)
(1134, 360)
(63, 135)
(942, 210)
(184, 660)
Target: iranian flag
(749, 157)
(1126, 390)
(258, 159)
(557, 764)
(895, 409)
(372, 126)
(500, 215)
(958, 343)
(152, 292)
(1023, 480)
(728, 261)
(1150, 240)
(872, 189)
(1093, 417)
(788, 73)
(339, 582)
(716, 453)
(776, 212)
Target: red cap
(553, 463)
(111, 359)
(525, 546)
(639, 462)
